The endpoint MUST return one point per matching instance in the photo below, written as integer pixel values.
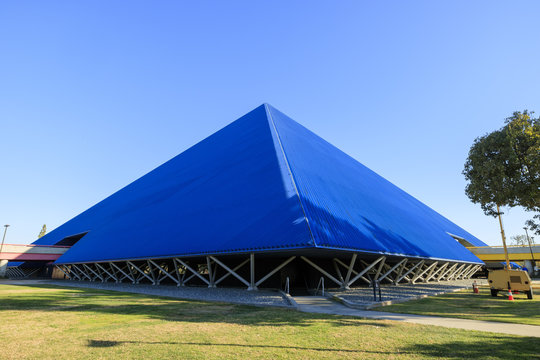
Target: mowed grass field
(482, 306)
(46, 322)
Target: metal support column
(252, 285)
(210, 272)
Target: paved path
(319, 304)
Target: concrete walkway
(319, 304)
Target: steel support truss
(408, 270)
(180, 271)
(214, 270)
(14, 272)
(346, 282)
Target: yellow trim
(513, 257)
(501, 247)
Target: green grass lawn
(46, 322)
(467, 305)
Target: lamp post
(4, 238)
(503, 240)
(3, 262)
(530, 248)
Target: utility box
(514, 280)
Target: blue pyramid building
(266, 187)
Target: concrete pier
(3, 268)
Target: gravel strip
(228, 295)
(364, 296)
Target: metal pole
(530, 247)
(210, 275)
(3, 262)
(503, 239)
(252, 285)
(372, 283)
(4, 238)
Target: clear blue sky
(94, 94)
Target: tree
(521, 240)
(43, 231)
(503, 167)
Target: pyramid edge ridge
(275, 132)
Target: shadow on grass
(502, 347)
(107, 344)
(82, 300)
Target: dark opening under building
(261, 201)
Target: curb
(347, 303)
(289, 298)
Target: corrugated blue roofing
(264, 182)
(351, 207)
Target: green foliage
(43, 231)
(503, 167)
(521, 240)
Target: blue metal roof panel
(234, 192)
(348, 206)
(227, 193)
